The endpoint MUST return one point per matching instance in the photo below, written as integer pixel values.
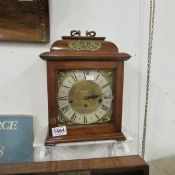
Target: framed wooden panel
(24, 20)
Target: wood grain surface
(127, 165)
(24, 20)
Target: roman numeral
(107, 84)
(108, 97)
(74, 77)
(97, 116)
(84, 75)
(64, 109)
(105, 108)
(85, 119)
(73, 117)
(65, 86)
(97, 77)
(62, 98)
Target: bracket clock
(85, 87)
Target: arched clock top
(84, 48)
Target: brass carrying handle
(75, 33)
(90, 33)
(78, 33)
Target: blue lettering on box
(16, 138)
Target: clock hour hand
(92, 97)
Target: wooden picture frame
(24, 20)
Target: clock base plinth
(52, 141)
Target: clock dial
(85, 96)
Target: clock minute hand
(92, 96)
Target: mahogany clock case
(64, 58)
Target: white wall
(161, 113)
(23, 73)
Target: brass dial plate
(85, 96)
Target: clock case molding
(63, 57)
